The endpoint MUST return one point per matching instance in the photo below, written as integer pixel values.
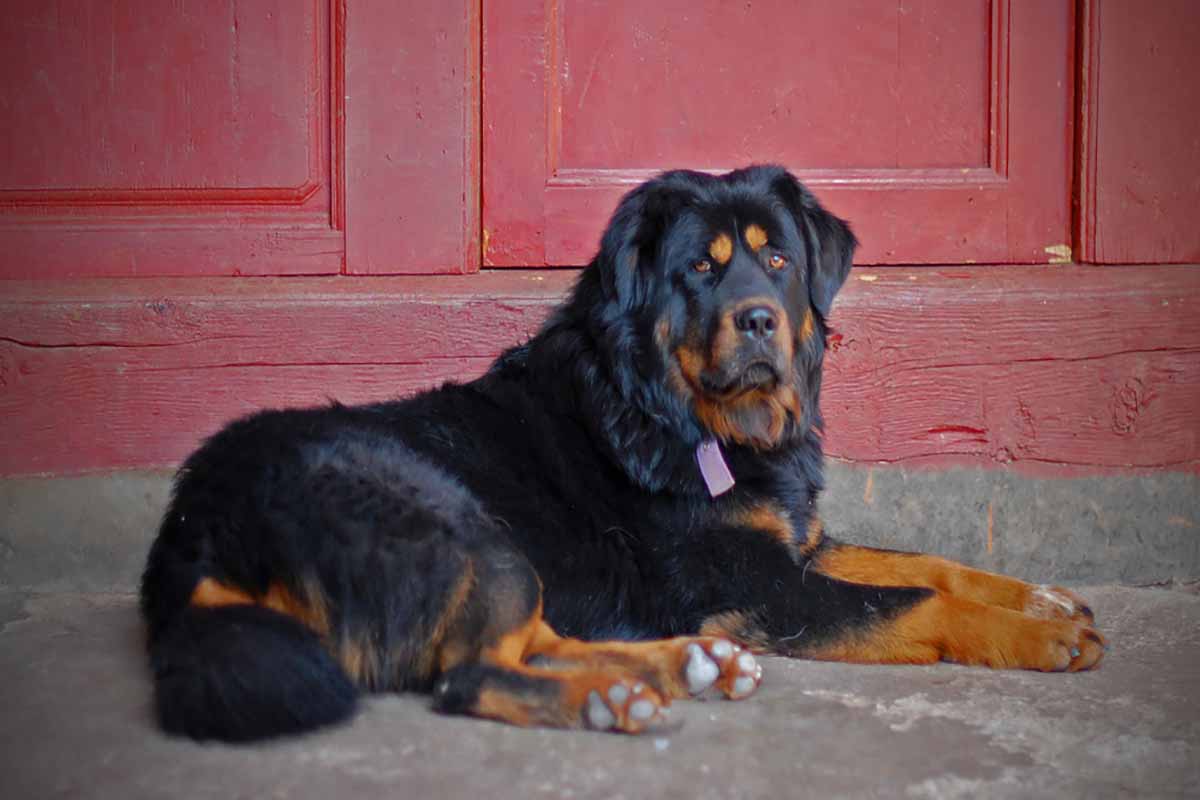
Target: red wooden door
(142, 137)
(1139, 149)
(941, 128)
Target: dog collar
(713, 468)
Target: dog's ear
(830, 241)
(630, 242)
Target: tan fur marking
(721, 249)
(770, 519)
(691, 364)
(514, 647)
(756, 418)
(580, 668)
(311, 611)
(808, 325)
(813, 536)
(740, 627)
(434, 650)
(659, 663)
(756, 237)
(729, 338)
(520, 707)
(882, 568)
(356, 657)
(210, 593)
(725, 343)
(504, 706)
(967, 632)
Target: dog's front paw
(1060, 646)
(625, 705)
(722, 664)
(1055, 602)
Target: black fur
(572, 461)
(240, 672)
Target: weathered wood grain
(1084, 367)
(1052, 370)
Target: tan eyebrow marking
(756, 237)
(721, 249)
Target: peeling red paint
(1019, 366)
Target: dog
(621, 512)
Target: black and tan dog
(599, 524)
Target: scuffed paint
(1059, 253)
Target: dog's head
(716, 290)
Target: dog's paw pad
(747, 677)
(598, 715)
(701, 671)
(722, 664)
(625, 706)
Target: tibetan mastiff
(621, 512)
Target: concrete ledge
(1133, 529)
(79, 534)
(91, 533)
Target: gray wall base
(91, 533)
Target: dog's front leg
(793, 606)
(894, 568)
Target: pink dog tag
(717, 476)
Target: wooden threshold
(1050, 369)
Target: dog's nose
(756, 322)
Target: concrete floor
(75, 721)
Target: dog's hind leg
(500, 685)
(680, 667)
(486, 640)
(500, 659)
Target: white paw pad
(642, 710)
(599, 717)
(748, 678)
(721, 664)
(701, 671)
(626, 707)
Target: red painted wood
(1065, 367)
(941, 127)
(1069, 370)
(1140, 154)
(147, 138)
(412, 143)
(278, 137)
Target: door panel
(941, 128)
(412, 136)
(1140, 153)
(166, 138)
(121, 100)
(145, 137)
(725, 87)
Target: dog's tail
(243, 672)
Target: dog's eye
(703, 265)
(777, 261)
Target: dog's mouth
(730, 384)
